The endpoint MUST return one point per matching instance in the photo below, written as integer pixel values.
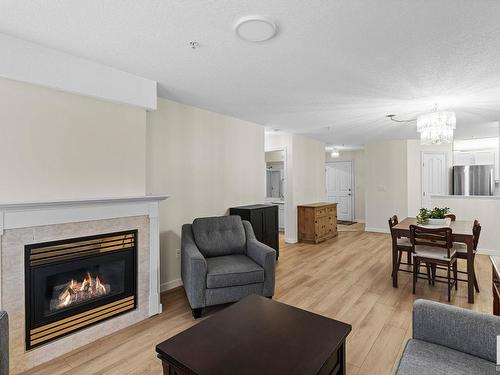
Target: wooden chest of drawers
(317, 222)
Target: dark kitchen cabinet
(264, 220)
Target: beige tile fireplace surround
(23, 224)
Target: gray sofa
(450, 340)
(222, 262)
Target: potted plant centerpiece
(436, 216)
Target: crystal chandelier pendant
(436, 128)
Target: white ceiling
(334, 70)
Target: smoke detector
(255, 28)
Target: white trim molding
(377, 230)
(488, 252)
(24, 215)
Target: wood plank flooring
(346, 278)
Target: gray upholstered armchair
(223, 262)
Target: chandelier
(437, 127)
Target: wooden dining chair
(403, 244)
(461, 250)
(434, 247)
(451, 216)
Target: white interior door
(339, 188)
(434, 177)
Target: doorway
(276, 192)
(434, 176)
(339, 183)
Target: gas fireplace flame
(79, 291)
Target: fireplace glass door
(74, 283)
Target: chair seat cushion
(421, 357)
(432, 252)
(460, 247)
(233, 270)
(403, 241)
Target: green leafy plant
(437, 213)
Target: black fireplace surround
(74, 283)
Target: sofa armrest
(193, 269)
(456, 328)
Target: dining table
(461, 232)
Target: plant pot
(441, 222)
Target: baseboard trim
(361, 221)
(488, 252)
(170, 285)
(291, 240)
(377, 230)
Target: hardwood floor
(346, 278)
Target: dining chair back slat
(476, 232)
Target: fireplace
(75, 283)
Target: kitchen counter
(493, 197)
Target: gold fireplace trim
(62, 327)
(56, 253)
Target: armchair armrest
(264, 256)
(193, 269)
(261, 254)
(456, 328)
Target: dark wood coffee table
(258, 336)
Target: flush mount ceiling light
(334, 153)
(255, 28)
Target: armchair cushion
(233, 270)
(218, 236)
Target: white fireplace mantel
(32, 214)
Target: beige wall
(55, 145)
(386, 183)
(305, 174)
(358, 160)
(207, 163)
(394, 179)
(308, 171)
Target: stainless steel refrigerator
(474, 180)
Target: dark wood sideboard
(264, 220)
(495, 284)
